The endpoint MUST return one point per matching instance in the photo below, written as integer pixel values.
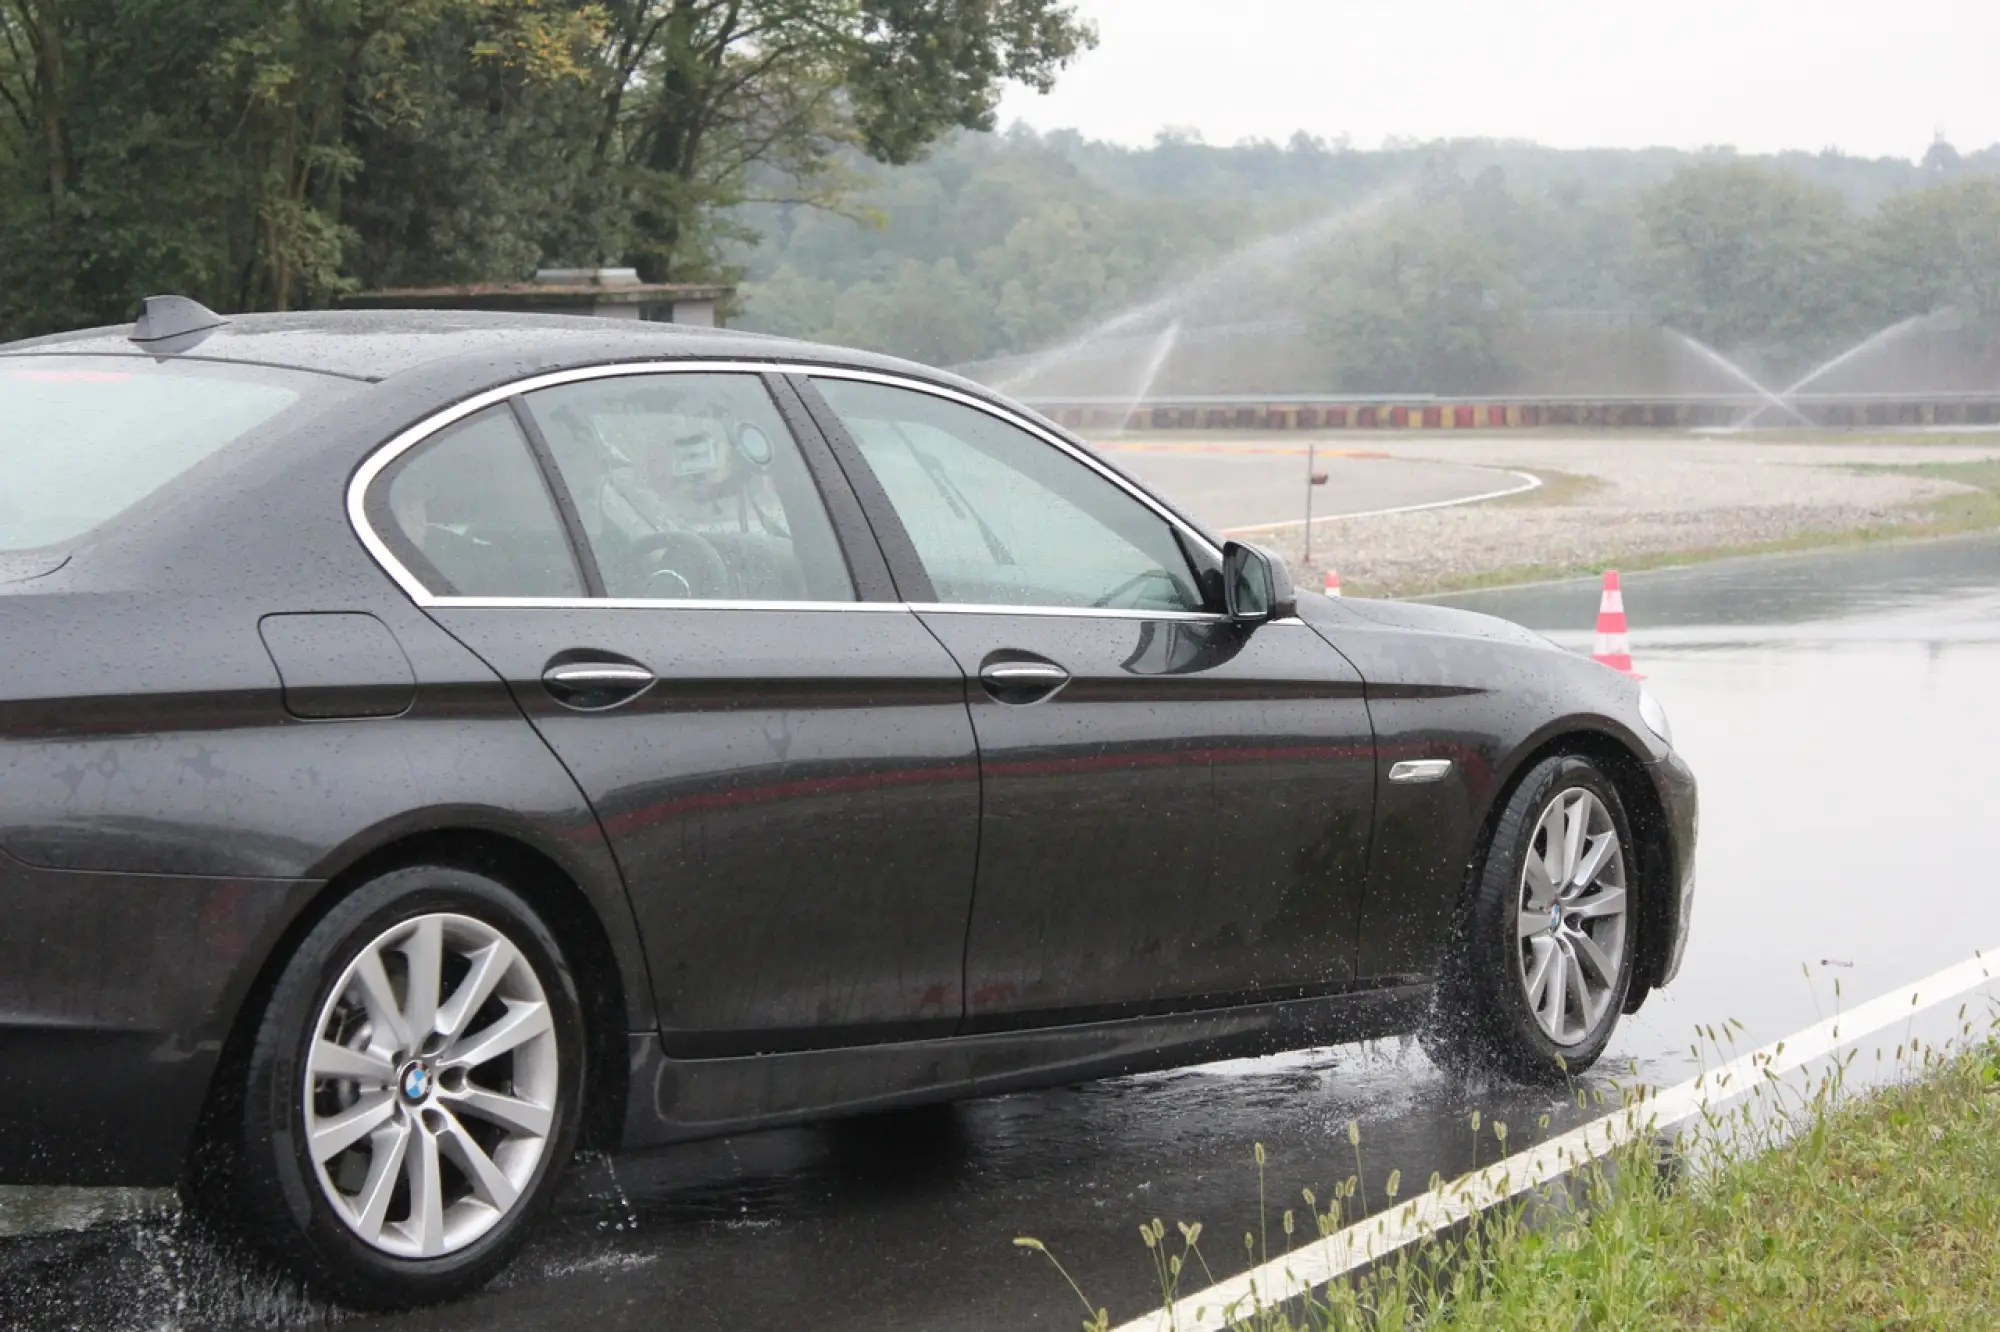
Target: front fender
(1490, 697)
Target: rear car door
(1176, 807)
(682, 595)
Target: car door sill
(679, 1099)
(1029, 1020)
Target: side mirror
(1256, 585)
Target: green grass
(1976, 510)
(1938, 435)
(1874, 1211)
(1983, 473)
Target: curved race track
(1257, 484)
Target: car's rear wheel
(412, 1094)
(1543, 953)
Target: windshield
(84, 438)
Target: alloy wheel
(1572, 914)
(431, 1085)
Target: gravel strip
(1658, 496)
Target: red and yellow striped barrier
(1392, 415)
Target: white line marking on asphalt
(1529, 482)
(1375, 1237)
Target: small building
(609, 293)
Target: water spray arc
(1280, 253)
(1742, 376)
(1879, 338)
(1156, 360)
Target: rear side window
(468, 512)
(84, 438)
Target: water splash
(619, 1197)
(1742, 376)
(1868, 344)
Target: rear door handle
(592, 686)
(1022, 681)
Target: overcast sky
(1872, 77)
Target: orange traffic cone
(1333, 582)
(1613, 648)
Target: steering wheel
(681, 564)
(1138, 580)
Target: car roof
(462, 349)
(379, 344)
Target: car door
(1175, 807)
(683, 597)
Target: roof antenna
(173, 317)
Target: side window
(1000, 517)
(467, 511)
(689, 486)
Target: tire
(484, 1104)
(1497, 1006)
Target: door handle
(591, 686)
(1017, 673)
(1022, 681)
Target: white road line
(1345, 1251)
(1528, 480)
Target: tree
(708, 104)
(929, 312)
(1748, 257)
(1417, 303)
(35, 88)
(207, 146)
(301, 90)
(1939, 247)
(274, 153)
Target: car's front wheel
(1542, 958)
(412, 1094)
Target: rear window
(83, 438)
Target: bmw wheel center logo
(416, 1082)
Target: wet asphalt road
(1840, 711)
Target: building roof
(514, 295)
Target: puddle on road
(34, 1211)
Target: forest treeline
(273, 154)
(1415, 264)
(839, 158)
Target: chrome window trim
(900, 607)
(378, 461)
(654, 603)
(1081, 612)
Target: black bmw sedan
(429, 743)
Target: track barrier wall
(1236, 414)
